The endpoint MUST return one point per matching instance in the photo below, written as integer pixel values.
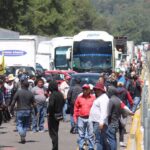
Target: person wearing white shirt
(99, 117)
(64, 88)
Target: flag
(2, 64)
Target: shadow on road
(2, 127)
(30, 141)
(3, 132)
(2, 146)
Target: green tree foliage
(127, 17)
(50, 17)
(11, 11)
(68, 17)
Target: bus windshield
(60, 57)
(92, 55)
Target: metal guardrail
(145, 116)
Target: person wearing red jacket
(82, 109)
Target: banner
(2, 65)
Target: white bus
(93, 51)
(52, 54)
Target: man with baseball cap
(82, 108)
(99, 117)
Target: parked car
(14, 70)
(70, 72)
(57, 75)
(85, 78)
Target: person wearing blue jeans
(82, 109)
(85, 131)
(111, 136)
(64, 111)
(115, 110)
(136, 102)
(23, 122)
(99, 116)
(100, 137)
(38, 120)
(40, 95)
(25, 100)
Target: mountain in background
(68, 17)
(126, 17)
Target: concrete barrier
(135, 137)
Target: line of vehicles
(88, 51)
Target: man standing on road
(82, 109)
(40, 97)
(24, 99)
(72, 95)
(64, 88)
(55, 112)
(116, 108)
(99, 117)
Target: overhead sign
(13, 52)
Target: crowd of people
(97, 112)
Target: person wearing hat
(82, 108)
(9, 89)
(99, 117)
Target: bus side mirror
(68, 54)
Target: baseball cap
(86, 86)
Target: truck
(37, 39)
(130, 51)
(53, 54)
(18, 52)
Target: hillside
(127, 17)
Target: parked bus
(93, 51)
(52, 54)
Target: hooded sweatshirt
(56, 100)
(124, 95)
(116, 107)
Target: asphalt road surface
(9, 139)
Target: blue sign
(13, 52)
(78, 55)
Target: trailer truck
(18, 53)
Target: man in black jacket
(25, 100)
(116, 107)
(72, 95)
(55, 112)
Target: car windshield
(85, 79)
(58, 76)
(60, 57)
(14, 70)
(92, 55)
